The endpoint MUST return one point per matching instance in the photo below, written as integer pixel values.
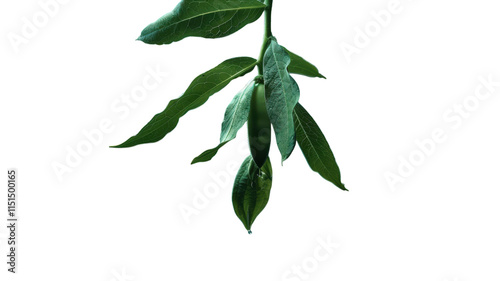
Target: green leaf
(282, 94)
(315, 147)
(235, 117)
(196, 95)
(202, 18)
(299, 65)
(251, 191)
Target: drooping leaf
(282, 94)
(251, 191)
(315, 147)
(202, 18)
(235, 117)
(299, 65)
(196, 95)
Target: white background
(116, 215)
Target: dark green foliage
(202, 18)
(271, 98)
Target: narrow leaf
(315, 147)
(208, 154)
(202, 18)
(235, 117)
(299, 65)
(196, 95)
(282, 94)
(251, 191)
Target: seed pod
(259, 126)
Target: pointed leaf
(202, 18)
(251, 191)
(282, 94)
(299, 65)
(315, 147)
(235, 117)
(196, 95)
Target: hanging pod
(259, 126)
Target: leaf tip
(122, 145)
(142, 39)
(342, 186)
(249, 231)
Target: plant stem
(267, 33)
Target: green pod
(259, 126)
